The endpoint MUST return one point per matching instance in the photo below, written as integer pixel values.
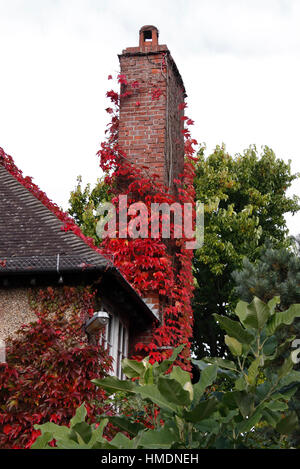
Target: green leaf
(253, 371)
(272, 418)
(42, 441)
(273, 303)
(207, 378)
(257, 314)
(173, 391)
(184, 378)
(247, 424)
(180, 375)
(246, 404)
(121, 441)
(165, 365)
(202, 411)
(97, 435)
(208, 426)
(234, 329)
(234, 346)
(292, 377)
(220, 362)
(276, 406)
(288, 424)
(133, 368)
(241, 310)
(283, 318)
(151, 392)
(57, 432)
(79, 416)
(83, 430)
(125, 425)
(286, 368)
(111, 384)
(159, 439)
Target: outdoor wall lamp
(100, 319)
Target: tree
(245, 199)
(84, 203)
(275, 272)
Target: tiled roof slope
(32, 236)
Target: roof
(37, 237)
(33, 237)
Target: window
(115, 341)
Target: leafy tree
(245, 199)
(84, 202)
(186, 416)
(276, 272)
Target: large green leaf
(207, 378)
(247, 424)
(124, 424)
(241, 310)
(159, 439)
(253, 371)
(257, 314)
(57, 432)
(283, 318)
(120, 441)
(79, 416)
(151, 392)
(220, 362)
(97, 435)
(201, 411)
(235, 347)
(133, 368)
(173, 391)
(273, 303)
(83, 430)
(165, 365)
(111, 384)
(234, 329)
(42, 441)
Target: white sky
(239, 60)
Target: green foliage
(275, 272)
(245, 199)
(84, 203)
(202, 415)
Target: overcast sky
(239, 60)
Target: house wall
(14, 310)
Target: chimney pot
(148, 37)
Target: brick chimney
(150, 118)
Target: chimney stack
(150, 130)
